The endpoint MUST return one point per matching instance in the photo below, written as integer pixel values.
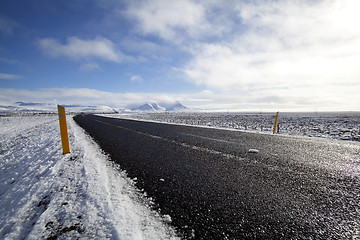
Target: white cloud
(8, 76)
(83, 96)
(168, 18)
(136, 79)
(296, 23)
(300, 51)
(247, 55)
(78, 49)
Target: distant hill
(176, 107)
(24, 107)
(30, 104)
(148, 107)
(162, 107)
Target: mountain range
(25, 107)
(164, 107)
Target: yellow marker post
(63, 130)
(276, 120)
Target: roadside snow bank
(335, 125)
(45, 194)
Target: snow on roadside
(45, 194)
(334, 125)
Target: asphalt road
(214, 188)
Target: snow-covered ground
(47, 195)
(336, 125)
(82, 195)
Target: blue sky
(261, 55)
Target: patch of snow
(253, 150)
(81, 195)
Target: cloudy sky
(261, 55)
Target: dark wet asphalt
(213, 188)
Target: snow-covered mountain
(24, 107)
(28, 107)
(176, 107)
(149, 107)
(162, 107)
(158, 108)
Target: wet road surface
(214, 188)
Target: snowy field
(336, 125)
(47, 195)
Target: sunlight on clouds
(346, 14)
(294, 49)
(166, 18)
(296, 23)
(77, 49)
